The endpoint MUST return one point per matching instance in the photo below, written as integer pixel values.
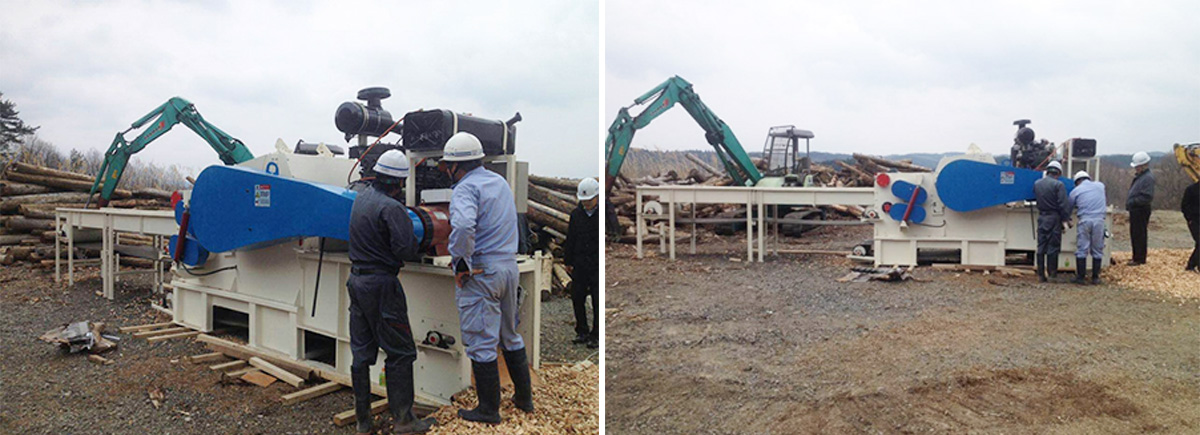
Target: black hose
(317, 285)
(189, 271)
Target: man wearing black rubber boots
(1053, 212)
(381, 237)
(581, 255)
(1141, 195)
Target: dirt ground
(44, 391)
(708, 344)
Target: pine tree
(12, 128)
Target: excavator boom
(175, 111)
(663, 97)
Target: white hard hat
(1054, 165)
(462, 146)
(588, 189)
(1140, 159)
(1082, 174)
(392, 163)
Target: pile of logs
(551, 201)
(30, 193)
(859, 172)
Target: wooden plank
(238, 373)
(277, 372)
(259, 378)
(241, 351)
(228, 366)
(173, 336)
(155, 333)
(205, 357)
(346, 417)
(309, 393)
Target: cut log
(542, 196)
(277, 372)
(16, 253)
(35, 213)
(554, 183)
(863, 176)
(550, 211)
(14, 239)
(29, 169)
(12, 188)
(570, 198)
(63, 183)
(544, 219)
(138, 203)
(560, 272)
(21, 224)
(892, 164)
(152, 194)
(11, 204)
(705, 166)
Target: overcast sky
(266, 70)
(898, 77)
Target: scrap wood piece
(155, 333)
(241, 351)
(239, 372)
(346, 417)
(228, 366)
(156, 396)
(258, 378)
(173, 336)
(274, 370)
(310, 393)
(205, 357)
(100, 360)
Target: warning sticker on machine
(1008, 177)
(262, 195)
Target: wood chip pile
(551, 201)
(567, 402)
(28, 196)
(860, 172)
(1162, 273)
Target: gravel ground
(44, 391)
(711, 344)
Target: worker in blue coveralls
(1089, 203)
(381, 237)
(1053, 213)
(483, 249)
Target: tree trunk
(27, 225)
(152, 194)
(554, 183)
(705, 166)
(544, 219)
(541, 195)
(11, 204)
(63, 183)
(13, 188)
(26, 168)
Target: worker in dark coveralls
(1141, 194)
(581, 255)
(381, 237)
(1090, 204)
(1053, 212)
(483, 249)
(1190, 205)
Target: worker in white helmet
(1089, 201)
(483, 249)
(1141, 195)
(381, 238)
(1053, 213)
(581, 256)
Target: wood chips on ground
(1163, 273)
(567, 402)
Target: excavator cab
(782, 163)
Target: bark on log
(570, 198)
(14, 239)
(27, 225)
(11, 204)
(35, 213)
(705, 166)
(152, 194)
(892, 164)
(135, 203)
(554, 183)
(550, 211)
(541, 195)
(17, 253)
(63, 183)
(13, 188)
(558, 236)
(26, 168)
(544, 219)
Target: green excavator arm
(174, 111)
(674, 91)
